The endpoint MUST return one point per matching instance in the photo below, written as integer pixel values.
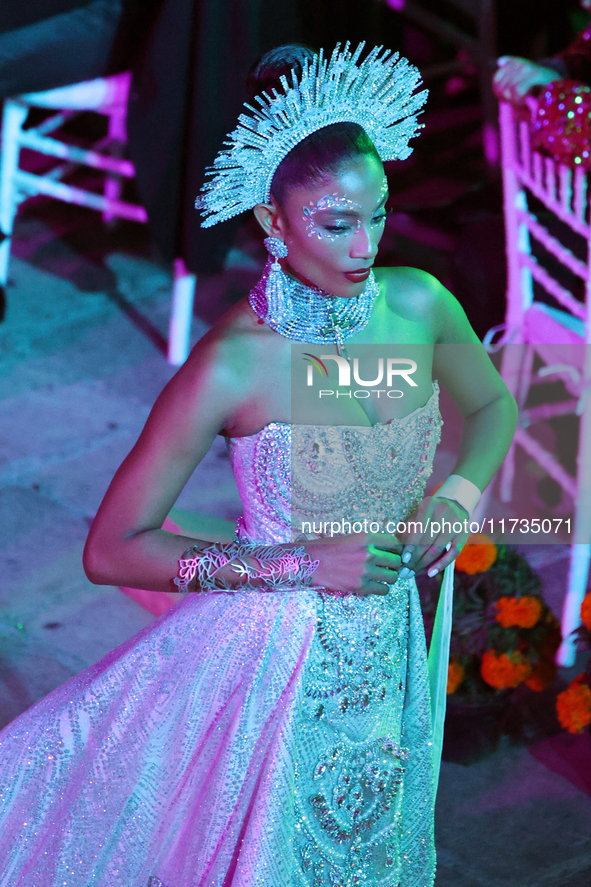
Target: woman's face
(332, 228)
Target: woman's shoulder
(413, 293)
(231, 351)
(402, 283)
(418, 296)
(238, 330)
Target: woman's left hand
(438, 530)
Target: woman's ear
(269, 218)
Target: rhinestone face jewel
(377, 93)
(326, 203)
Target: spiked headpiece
(376, 93)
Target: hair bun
(265, 75)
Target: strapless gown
(251, 738)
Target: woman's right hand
(361, 563)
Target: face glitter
(326, 204)
(335, 215)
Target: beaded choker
(309, 314)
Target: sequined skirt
(257, 739)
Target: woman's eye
(379, 220)
(337, 229)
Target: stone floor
(80, 368)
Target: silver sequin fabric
(254, 739)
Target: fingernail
(406, 573)
(433, 572)
(406, 557)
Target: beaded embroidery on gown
(248, 739)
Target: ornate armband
(278, 567)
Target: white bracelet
(460, 490)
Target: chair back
(546, 202)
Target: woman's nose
(364, 244)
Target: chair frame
(534, 326)
(107, 96)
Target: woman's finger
(407, 553)
(442, 562)
(384, 542)
(452, 550)
(429, 555)
(373, 586)
(383, 558)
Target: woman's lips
(358, 276)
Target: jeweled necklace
(308, 314)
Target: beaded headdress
(376, 93)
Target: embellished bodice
(295, 480)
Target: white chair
(107, 96)
(559, 336)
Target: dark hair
(324, 151)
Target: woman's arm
(126, 545)
(489, 412)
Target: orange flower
(478, 554)
(455, 676)
(542, 675)
(573, 706)
(502, 670)
(586, 611)
(522, 612)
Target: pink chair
(107, 96)
(556, 335)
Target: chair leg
(118, 141)
(13, 120)
(512, 368)
(581, 547)
(575, 592)
(181, 315)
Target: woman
(275, 727)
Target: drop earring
(276, 289)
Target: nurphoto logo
(391, 371)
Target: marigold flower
(586, 611)
(478, 554)
(455, 676)
(573, 706)
(522, 612)
(502, 670)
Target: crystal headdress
(376, 93)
